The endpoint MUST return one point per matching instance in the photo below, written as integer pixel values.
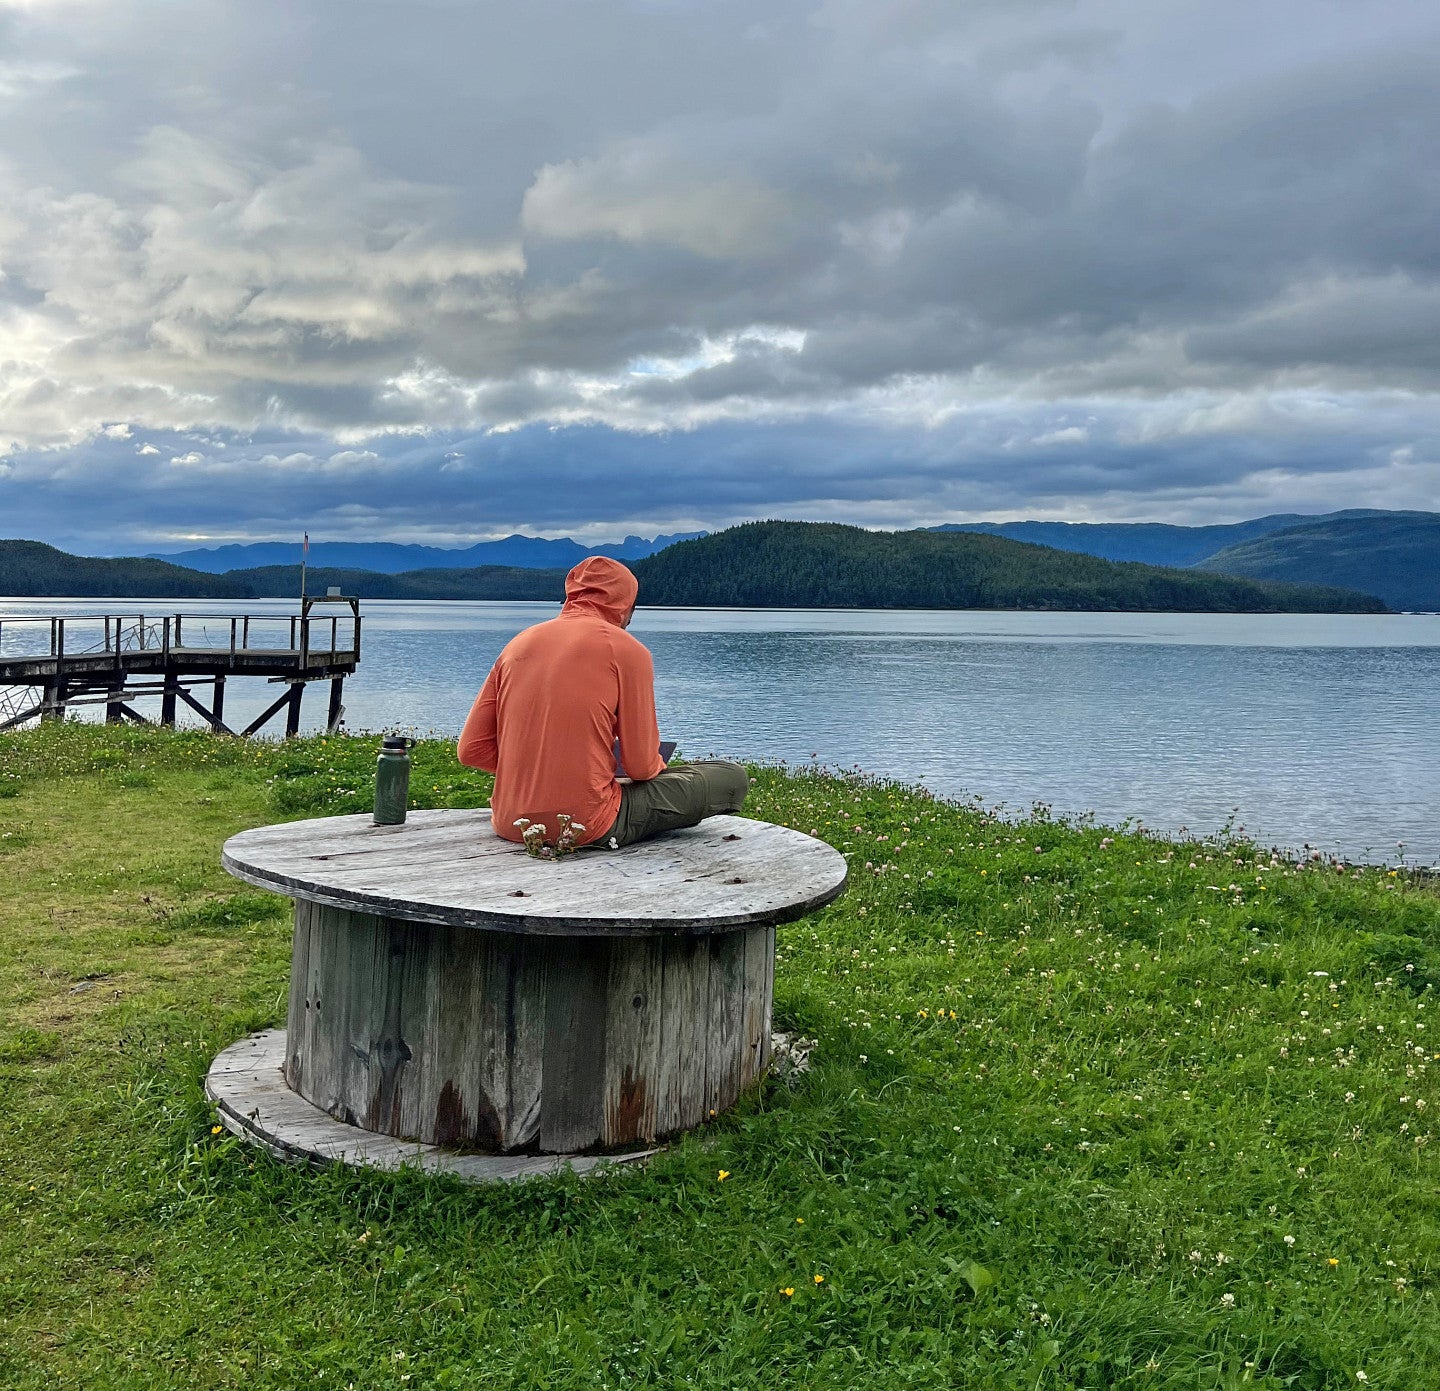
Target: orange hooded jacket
(557, 698)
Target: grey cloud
(336, 221)
(1210, 458)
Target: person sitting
(547, 719)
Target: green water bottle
(392, 780)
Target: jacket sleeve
(478, 746)
(639, 733)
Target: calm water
(1307, 729)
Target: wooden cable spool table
(457, 1004)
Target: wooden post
(292, 715)
(167, 698)
(337, 710)
(62, 687)
(219, 702)
(115, 702)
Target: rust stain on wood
(627, 1116)
(451, 1123)
(384, 1110)
(455, 1126)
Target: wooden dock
(48, 664)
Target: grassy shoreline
(1175, 1098)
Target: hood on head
(602, 585)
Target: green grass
(1089, 1109)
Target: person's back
(557, 699)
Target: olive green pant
(680, 796)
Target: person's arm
(478, 746)
(636, 725)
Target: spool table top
(449, 867)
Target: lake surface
(1306, 729)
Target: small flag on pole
(307, 543)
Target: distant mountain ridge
(499, 582)
(1156, 543)
(759, 564)
(392, 558)
(1393, 554)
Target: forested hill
(40, 571)
(1395, 555)
(825, 565)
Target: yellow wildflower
(788, 1291)
(819, 1279)
(216, 1129)
(722, 1175)
(1332, 1262)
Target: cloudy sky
(445, 269)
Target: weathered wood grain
(684, 1031)
(449, 867)
(407, 1029)
(725, 1051)
(755, 1003)
(506, 1042)
(633, 1007)
(577, 977)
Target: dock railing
(315, 637)
(86, 659)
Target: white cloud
(638, 193)
(1069, 434)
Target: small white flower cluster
(537, 847)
